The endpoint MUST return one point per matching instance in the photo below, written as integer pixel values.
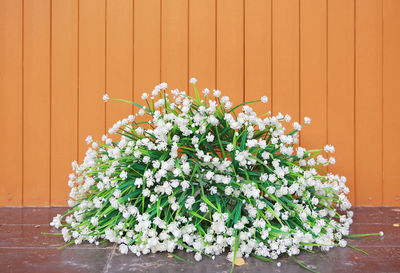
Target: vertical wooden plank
(391, 98)
(119, 58)
(313, 72)
(368, 104)
(285, 55)
(174, 43)
(11, 102)
(202, 43)
(37, 56)
(230, 49)
(146, 47)
(341, 87)
(64, 110)
(258, 53)
(91, 71)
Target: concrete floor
(24, 249)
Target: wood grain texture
(285, 55)
(368, 103)
(336, 61)
(174, 41)
(391, 97)
(147, 48)
(258, 49)
(202, 50)
(37, 99)
(11, 106)
(64, 97)
(92, 86)
(341, 88)
(230, 49)
(119, 46)
(313, 72)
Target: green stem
(304, 266)
(360, 250)
(181, 259)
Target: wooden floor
(24, 249)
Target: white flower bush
(209, 177)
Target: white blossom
(217, 93)
(264, 99)
(194, 174)
(106, 98)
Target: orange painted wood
(391, 98)
(258, 59)
(64, 97)
(368, 104)
(285, 57)
(92, 58)
(37, 95)
(147, 50)
(313, 72)
(119, 59)
(230, 49)
(341, 88)
(336, 61)
(202, 52)
(174, 43)
(11, 102)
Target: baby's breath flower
(217, 93)
(123, 249)
(89, 140)
(194, 174)
(144, 96)
(163, 85)
(329, 149)
(106, 98)
(193, 80)
(264, 99)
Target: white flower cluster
(202, 175)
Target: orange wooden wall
(337, 61)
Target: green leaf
(209, 203)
